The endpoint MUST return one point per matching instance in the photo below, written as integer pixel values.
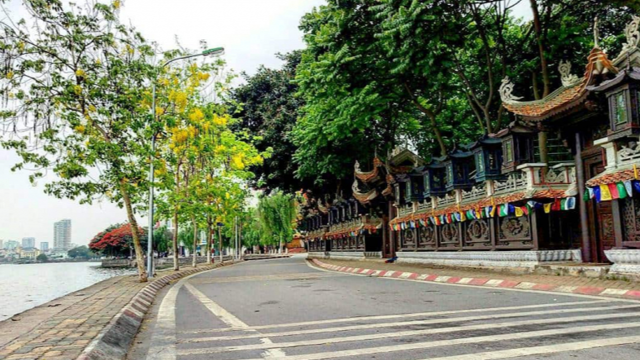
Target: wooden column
(582, 205)
(617, 222)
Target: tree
(268, 109)
(116, 240)
(77, 79)
(277, 214)
(42, 258)
(80, 252)
(353, 107)
(162, 239)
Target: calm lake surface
(23, 287)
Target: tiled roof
(566, 97)
(613, 177)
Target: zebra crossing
(571, 326)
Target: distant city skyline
(44, 245)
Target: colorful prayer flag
(605, 194)
(519, 212)
(547, 208)
(597, 194)
(622, 191)
(629, 188)
(613, 190)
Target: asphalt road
(285, 309)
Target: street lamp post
(210, 52)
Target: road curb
(114, 340)
(496, 283)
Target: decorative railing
(404, 211)
(514, 182)
(425, 206)
(476, 193)
(446, 200)
(628, 155)
(561, 174)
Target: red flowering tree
(116, 240)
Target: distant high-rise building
(44, 246)
(29, 242)
(62, 235)
(11, 244)
(1, 244)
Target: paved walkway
(62, 328)
(285, 309)
(573, 281)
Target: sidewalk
(62, 328)
(478, 277)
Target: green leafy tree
(268, 108)
(277, 214)
(42, 258)
(80, 252)
(77, 78)
(162, 239)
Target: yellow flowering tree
(74, 80)
(201, 163)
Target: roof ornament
(596, 34)
(632, 34)
(506, 91)
(568, 79)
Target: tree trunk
(220, 242)
(195, 241)
(142, 273)
(209, 239)
(176, 262)
(543, 61)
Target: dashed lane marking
(545, 349)
(426, 322)
(400, 316)
(450, 342)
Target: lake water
(23, 287)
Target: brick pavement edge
(582, 290)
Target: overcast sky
(251, 31)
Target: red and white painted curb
(496, 283)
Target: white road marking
(451, 342)
(233, 321)
(400, 316)
(217, 310)
(445, 330)
(423, 322)
(545, 349)
(163, 338)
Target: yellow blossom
(116, 4)
(77, 89)
(80, 129)
(10, 75)
(80, 73)
(196, 115)
(92, 108)
(236, 162)
(220, 120)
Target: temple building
(559, 183)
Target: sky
(252, 32)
